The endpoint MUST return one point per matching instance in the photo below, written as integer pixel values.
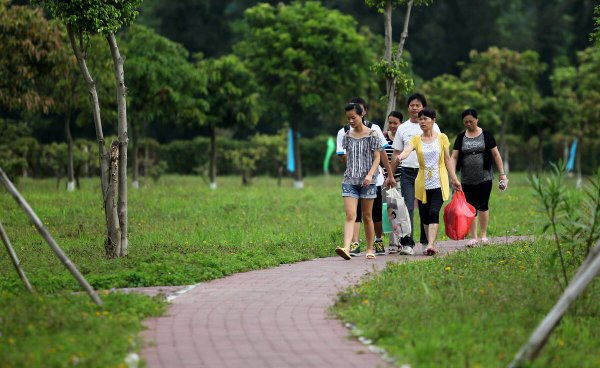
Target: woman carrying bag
(431, 186)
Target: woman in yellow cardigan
(431, 185)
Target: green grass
(181, 233)
(66, 330)
(473, 309)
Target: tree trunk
(279, 175)
(86, 165)
(146, 159)
(112, 247)
(393, 93)
(70, 170)
(388, 35)
(540, 147)
(212, 170)
(123, 140)
(113, 232)
(297, 160)
(134, 141)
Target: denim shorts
(358, 191)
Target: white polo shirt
(340, 151)
(405, 132)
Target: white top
(431, 156)
(341, 151)
(405, 132)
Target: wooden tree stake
(46, 235)
(14, 258)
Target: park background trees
(171, 110)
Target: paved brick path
(267, 318)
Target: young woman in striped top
(363, 149)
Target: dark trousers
(407, 187)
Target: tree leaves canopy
(93, 16)
(308, 58)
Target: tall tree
(393, 68)
(84, 18)
(157, 73)
(308, 58)
(578, 87)
(30, 47)
(233, 99)
(509, 80)
(451, 96)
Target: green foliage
(13, 159)
(67, 330)
(91, 17)
(451, 96)
(231, 93)
(573, 217)
(507, 79)
(578, 88)
(473, 308)
(30, 47)
(160, 80)
(399, 71)
(306, 58)
(595, 36)
(245, 159)
(380, 4)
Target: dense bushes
(191, 157)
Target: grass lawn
(473, 309)
(181, 233)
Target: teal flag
(328, 154)
(291, 166)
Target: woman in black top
(473, 153)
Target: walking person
(394, 120)
(473, 153)
(362, 147)
(378, 203)
(409, 167)
(431, 186)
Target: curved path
(267, 318)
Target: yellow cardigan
(420, 182)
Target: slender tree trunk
(123, 140)
(388, 36)
(297, 160)
(146, 159)
(134, 142)
(393, 93)
(86, 165)
(212, 170)
(279, 175)
(540, 164)
(70, 170)
(113, 232)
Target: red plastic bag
(458, 216)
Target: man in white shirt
(410, 166)
(378, 203)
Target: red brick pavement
(267, 318)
